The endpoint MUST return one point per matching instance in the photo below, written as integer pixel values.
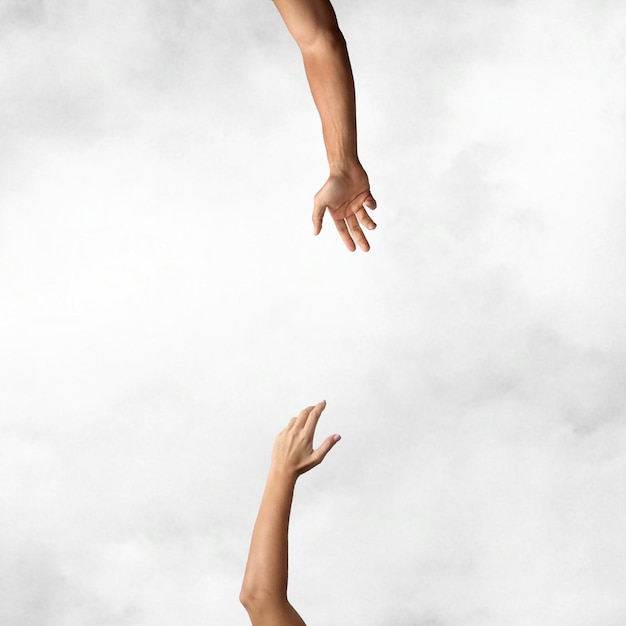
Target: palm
(346, 198)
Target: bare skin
(264, 587)
(346, 194)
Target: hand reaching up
(264, 587)
(293, 452)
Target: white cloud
(165, 310)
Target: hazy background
(165, 310)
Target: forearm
(266, 569)
(329, 74)
(313, 25)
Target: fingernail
(337, 437)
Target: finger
(345, 235)
(365, 219)
(357, 233)
(319, 208)
(314, 416)
(301, 419)
(319, 454)
(292, 422)
(369, 202)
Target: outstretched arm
(346, 193)
(264, 588)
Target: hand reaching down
(347, 197)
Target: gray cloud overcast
(165, 309)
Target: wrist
(282, 477)
(345, 167)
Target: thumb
(369, 202)
(319, 208)
(324, 448)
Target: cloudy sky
(165, 310)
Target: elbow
(321, 38)
(250, 598)
(245, 598)
(257, 601)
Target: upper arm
(307, 19)
(274, 614)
